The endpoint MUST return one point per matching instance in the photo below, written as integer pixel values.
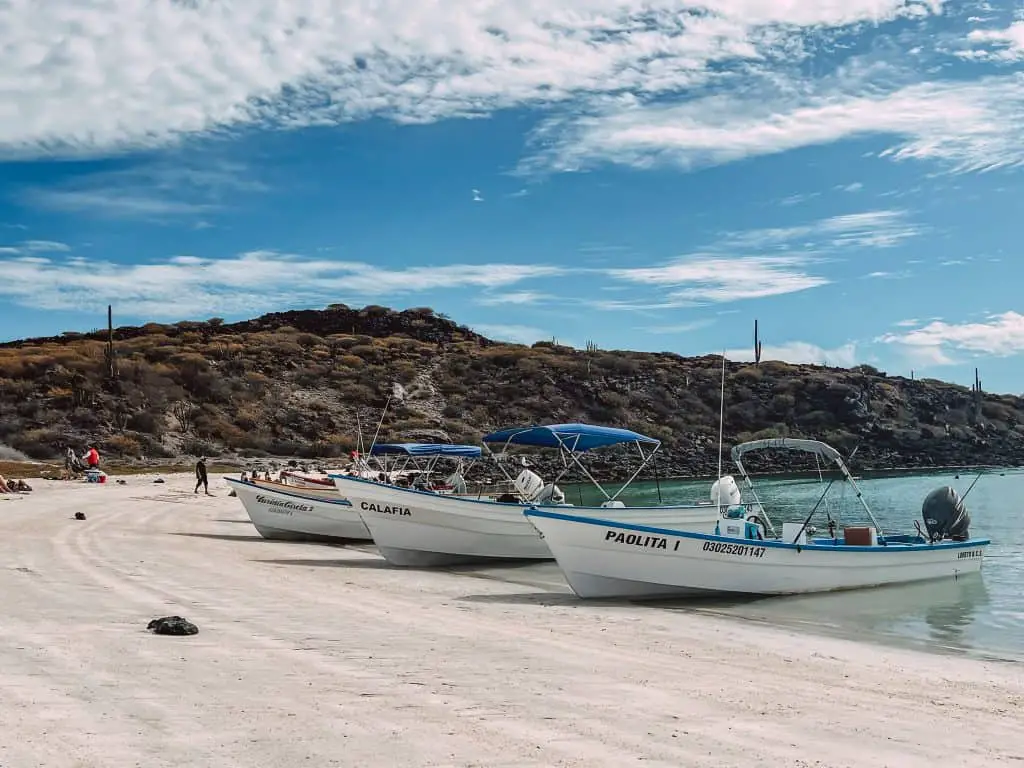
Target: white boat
(420, 528)
(280, 511)
(303, 479)
(612, 558)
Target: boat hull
(293, 514)
(612, 559)
(416, 528)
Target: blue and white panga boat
(612, 558)
(420, 527)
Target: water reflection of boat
(946, 609)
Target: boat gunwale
(341, 502)
(771, 544)
(515, 504)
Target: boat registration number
(739, 550)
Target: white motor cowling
(725, 492)
(550, 494)
(528, 484)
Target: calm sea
(980, 615)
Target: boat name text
(369, 506)
(284, 507)
(740, 550)
(969, 553)
(637, 540)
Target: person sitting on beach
(92, 457)
(4, 487)
(72, 464)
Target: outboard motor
(730, 492)
(945, 515)
(550, 494)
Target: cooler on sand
(95, 476)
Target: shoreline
(24, 469)
(372, 665)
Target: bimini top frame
(824, 450)
(573, 440)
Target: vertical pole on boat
(721, 429)
(657, 479)
(359, 435)
(380, 423)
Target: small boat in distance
(613, 558)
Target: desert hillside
(298, 383)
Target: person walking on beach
(201, 478)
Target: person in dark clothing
(201, 478)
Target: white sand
(323, 656)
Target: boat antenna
(721, 428)
(359, 435)
(971, 486)
(381, 422)
(657, 479)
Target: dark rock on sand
(172, 625)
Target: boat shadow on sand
(220, 536)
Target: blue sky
(648, 176)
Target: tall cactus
(109, 356)
(757, 344)
(978, 395)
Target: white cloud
(763, 262)
(868, 229)
(1007, 44)
(1001, 335)
(512, 297)
(190, 185)
(518, 334)
(35, 246)
(965, 125)
(189, 285)
(721, 279)
(844, 356)
(114, 74)
(694, 325)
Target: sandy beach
(324, 656)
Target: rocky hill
(301, 383)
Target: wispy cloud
(254, 281)
(867, 229)
(28, 247)
(1001, 335)
(189, 187)
(305, 62)
(518, 334)
(512, 297)
(968, 125)
(763, 262)
(719, 279)
(678, 328)
(843, 356)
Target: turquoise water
(980, 615)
